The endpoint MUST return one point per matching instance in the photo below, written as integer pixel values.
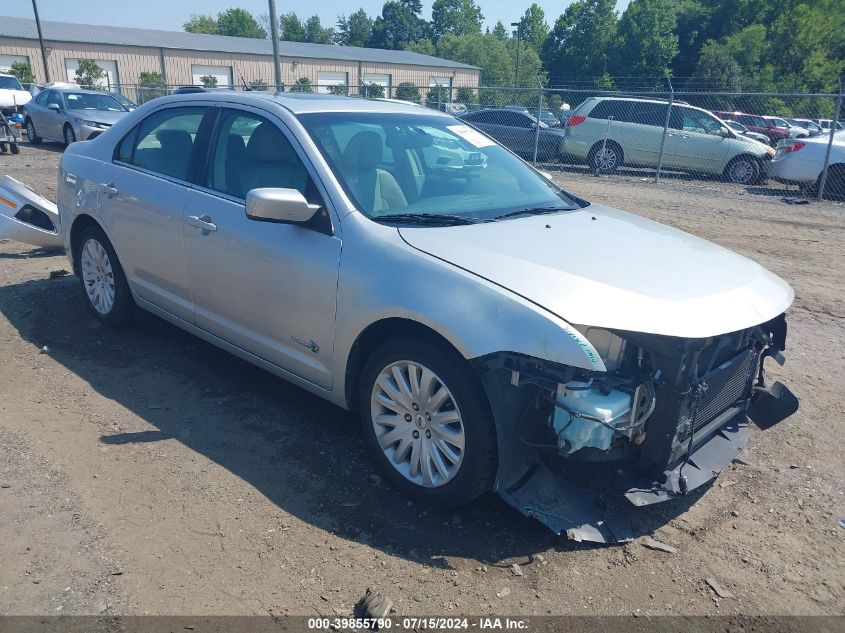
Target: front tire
(427, 422)
(69, 135)
(102, 279)
(31, 134)
(743, 170)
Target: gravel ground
(146, 472)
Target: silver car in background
(491, 331)
(71, 114)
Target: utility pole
(518, 26)
(41, 42)
(274, 34)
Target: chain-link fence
(742, 138)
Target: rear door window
(163, 142)
(617, 110)
(648, 113)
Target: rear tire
(605, 158)
(31, 134)
(101, 278)
(743, 170)
(436, 446)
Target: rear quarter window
(618, 110)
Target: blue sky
(171, 14)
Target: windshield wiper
(531, 211)
(426, 218)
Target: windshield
(87, 101)
(424, 165)
(10, 83)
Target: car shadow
(304, 454)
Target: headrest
(364, 151)
(177, 142)
(268, 145)
(236, 145)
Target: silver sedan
(67, 115)
(491, 331)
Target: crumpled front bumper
(604, 515)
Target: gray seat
(375, 189)
(270, 161)
(175, 153)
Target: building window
(6, 61)
(446, 82)
(328, 82)
(211, 76)
(109, 81)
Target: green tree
(258, 85)
(458, 17)
(354, 30)
(424, 46)
(717, 69)
(150, 86)
(407, 91)
(89, 74)
(396, 27)
(209, 81)
(238, 22)
(201, 24)
(374, 91)
(582, 41)
(499, 31)
(648, 42)
(303, 84)
(291, 28)
(533, 27)
(316, 33)
(23, 71)
(466, 95)
(339, 89)
(437, 95)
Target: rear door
(141, 202)
(48, 122)
(642, 133)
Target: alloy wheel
(417, 423)
(741, 171)
(70, 137)
(97, 276)
(605, 159)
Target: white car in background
(802, 161)
(12, 94)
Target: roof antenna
(240, 74)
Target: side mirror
(287, 206)
(54, 106)
(547, 175)
(724, 132)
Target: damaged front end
(665, 418)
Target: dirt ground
(146, 472)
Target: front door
(141, 204)
(696, 144)
(265, 287)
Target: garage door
(6, 61)
(223, 75)
(326, 79)
(110, 81)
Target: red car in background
(757, 123)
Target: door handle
(202, 222)
(109, 188)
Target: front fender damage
(704, 393)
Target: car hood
(11, 98)
(100, 116)
(606, 268)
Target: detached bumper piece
(26, 217)
(567, 508)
